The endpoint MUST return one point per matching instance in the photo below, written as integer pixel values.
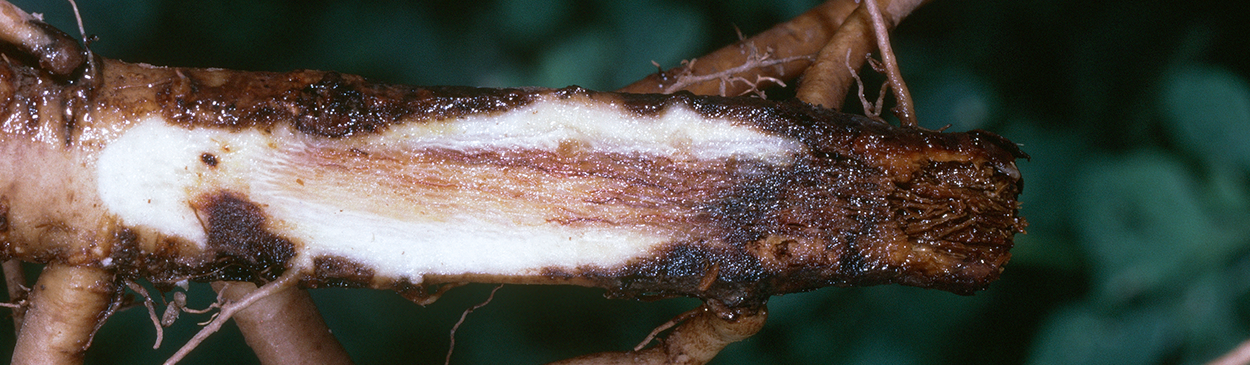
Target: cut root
(701, 335)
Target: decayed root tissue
(264, 183)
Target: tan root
(793, 43)
(735, 78)
(827, 82)
(66, 307)
(696, 341)
(151, 306)
(871, 110)
(230, 307)
(283, 327)
(15, 282)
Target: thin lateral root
(903, 109)
(147, 302)
(871, 112)
(286, 281)
(15, 283)
(664, 327)
(452, 344)
(727, 78)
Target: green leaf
(1209, 110)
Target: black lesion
(208, 159)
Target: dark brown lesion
(241, 246)
(941, 215)
(327, 104)
(336, 271)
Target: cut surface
(558, 183)
(220, 174)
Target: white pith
(150, 175)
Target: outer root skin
(66, 306)
(695, 341)
(284, 328)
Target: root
(828, 80)
(452, 345)
(285, 327)
(427, 294)
(56, 52)
(1237, 356)
(903, 108)
(794, 43)
(67, 306)
(147, 302)
(701, 335)
(229, 308)
(15, 282)
(738, 74)
(870, 110)
(664, 327)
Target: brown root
(903, 108)
(696, 341)
(151, 306)
(284, 327)
(452, 344)
(792, 42)
(66, 307)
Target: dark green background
(1137, 115)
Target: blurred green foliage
(1137, 115)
